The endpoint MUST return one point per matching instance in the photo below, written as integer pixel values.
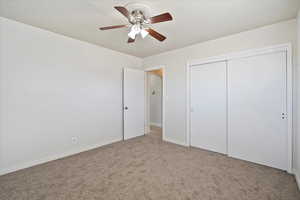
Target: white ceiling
(194, 20)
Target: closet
(238, 107)
(209, 107)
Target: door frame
(242, 54)
(147, 99)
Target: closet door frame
(243, 54)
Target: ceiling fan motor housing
(139, 9)
(137, 17)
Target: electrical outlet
(74, 140)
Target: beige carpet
(147, 168)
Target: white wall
(297, 125)
(175, 62)
(53, 88)
(155, 100)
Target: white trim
(55, 157)
(241, 54)
(237, 55)
(174, 142)
(188, 106)
(289, 101)
(155, 124)
(147, 120)
(227, 110)
(154, 68)
(297, 177)
(147, 103)
(298, 180)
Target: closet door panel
(208, 107)
(257, 126)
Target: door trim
(147, 103)
(242, 54)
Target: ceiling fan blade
(161, 18)
(155, 34)
(123, 11)
(112, 27)
(130, 40)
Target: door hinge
(283, 116)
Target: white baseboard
(54, 157)
(155, 124)
(147, 129)
(175, 142)
(297, 176)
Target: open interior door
(133, 103)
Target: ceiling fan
(139, 23)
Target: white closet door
(208, 107)
(257, 125)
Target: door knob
(126, 108)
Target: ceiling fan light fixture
(144, 33)
(135, 30)
(132, 35)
